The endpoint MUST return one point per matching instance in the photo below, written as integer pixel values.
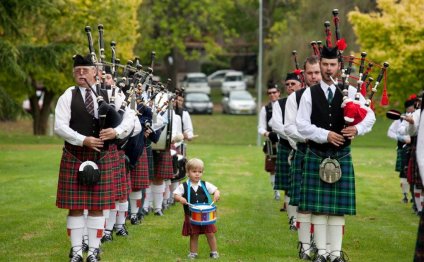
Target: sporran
(330, 171)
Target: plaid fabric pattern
(318, 196)
(140, 174)
(150, 161)
(121, 181)
(72, 195)
(399, 160)
(412, 172)
(282, 168)
(163, 164)
(296, 170)
(419, 247)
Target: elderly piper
(88, 161)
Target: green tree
(194, 30)
(395, 34)
(38, 39)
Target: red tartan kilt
(72, 195)
(163, 164)
(189, 229)
(140, 174)
(122, 178)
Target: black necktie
(89, 104)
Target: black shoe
(107, 237)
(159, 213)
(320, 258)
(405, 200)
(95, 256)
(302, 252)
(140, 216)
(144, 212)
(134, 220)
(74, 257)
(342, 258)
(123, 232)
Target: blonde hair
(194, 163)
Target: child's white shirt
(209, 187)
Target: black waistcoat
(268, 115)
(327, 116)
(198, 197)
(81, 121)
(299, 94)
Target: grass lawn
(250, 226)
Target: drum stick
(212, 203)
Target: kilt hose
(122, 178)
(419, 247)
(282, 168)
(318, 196)
(296, 170)
(72, 195)
(140, 174)
(163, 164)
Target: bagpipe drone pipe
(354, 111)
(148, 98)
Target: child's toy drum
(202, 214)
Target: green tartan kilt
(149, 152)
(296, 170)
(399, 159)
(282, 168)
(318, 196)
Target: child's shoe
(192, 255)
(214, 255)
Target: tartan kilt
(419, 247)
(399, 160)
(140, 174)
(150, 161)
(163, 164)
(122, 178)
(412, 172)
(72, 195)
(318, 196)
(296, 170)
(282, 168)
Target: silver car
(239, 102)
(196, 82)
(198, 103)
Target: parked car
(239, 102)
(233, 81)
(199, 103)
(216, 78)
(195, 82)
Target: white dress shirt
(63, 117)
(317, 134)
(187, 125)
(277, 120)
(290, 128)
(262, 124)
(420, 147)
(209, 187)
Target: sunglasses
(273, 92)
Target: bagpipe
(354, 111)
(149, 99)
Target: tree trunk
(40, 115)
